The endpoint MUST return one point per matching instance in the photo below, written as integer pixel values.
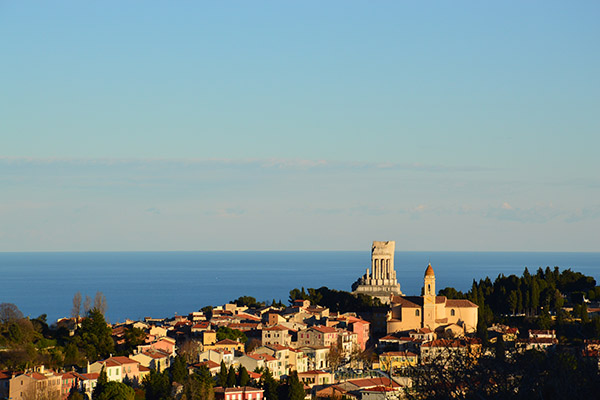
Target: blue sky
(306, 125)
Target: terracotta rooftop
(90, 376)
(373, 382)
(5, 374)
(460, 303)
(324, 329)
(276, 328)
(313, 372)
(155, 353)
(124, 360)
(389, 338)
(227, 342)
(208, 364)
(429, 271)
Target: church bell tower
(429, 297)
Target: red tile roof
(227, 342)
(124, 360)
(277, 347)
(313, 372)
(6, 374)
(460, 303)
(389, 337)
(91, 376)
(155, 353)
(373, 382)
(276, 328)
(210, 364)
(324, 329)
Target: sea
(164, 284)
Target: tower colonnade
(380, 280)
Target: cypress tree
(178, 370)
(231, 378)
(270, 385)
(243, 377)
(100, 384)
(222, 377)
(295, 388)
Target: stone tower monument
(380, 281)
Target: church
(430, 311)
(408, 313)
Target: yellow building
(393, 360)
(430, 311)
(226, 344)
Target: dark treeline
(335, 300)
(542, 298)
(508, 374)
(29, 342)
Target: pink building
(239, 393)
(362, 329)
(69, 381)
(117, 368)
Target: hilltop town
(375, 343)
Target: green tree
(482, 331)
(94, 336)
(500, 349)
(157, 386)
(247, 301)
(269, 385)
(116, 391)
(225, 332)
(297, 294)
(208, 312)
(100, 384)
(133, 338)
(231, 377)
(294, 388)
(74, 394)
(198, 386)
(243, 377)
(178, 370)
(451, 293)
(222, 376)
(512, 301)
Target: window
(417, 312)
(452, 312)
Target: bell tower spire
(429, 299)
(429, 281)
